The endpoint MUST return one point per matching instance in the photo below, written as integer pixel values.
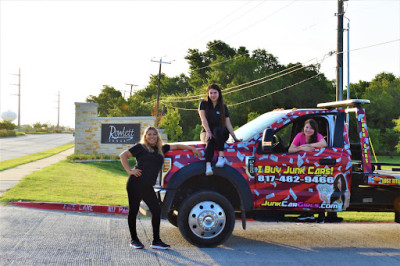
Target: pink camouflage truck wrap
(260, 175)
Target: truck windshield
(249, 130)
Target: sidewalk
(11, 177)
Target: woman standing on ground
(216, 124)
(149, 154)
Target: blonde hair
(159, 142)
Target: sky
(74, 48)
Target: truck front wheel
(206, 219)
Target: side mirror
(267, 140)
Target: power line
(372, 45)
(246, 87)
(259, 97)
(219, 63)
(226, 91)
(268, 94)
(197, 97)
(251, 25)
(230, 14)
(329, 54)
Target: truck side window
(280, 141)
(285, 134)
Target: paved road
(36, 237)
(23, 145)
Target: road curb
(73, 207)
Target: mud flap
(243, 215)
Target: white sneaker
(221, 161)
(209, 170)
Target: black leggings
(221, 135)
(139, 190)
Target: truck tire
(172, 218)
(206, 219)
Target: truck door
(302, 180)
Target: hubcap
(207, 219)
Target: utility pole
(19, 97)
(348, 67)
(339, 53)
(130, 95)
(58, 117)
(158, 92)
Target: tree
(384, 94)
(7, 125)
(170, 123)
(397, 129)
(252, 116)
(107, 99)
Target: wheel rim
(207, 219)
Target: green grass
(353, 217)
(387, 159)
(33, 157)
(84, 156)
(362, 217)
(99, 183)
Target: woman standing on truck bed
(216, 124)
(149, 154)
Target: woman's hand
(196, 153)
(237, 140)
(306, 147)
(136, 172)
(209, 135)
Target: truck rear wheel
(206, 219)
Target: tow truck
(261, 175)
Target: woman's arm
(346, 199)
(293, 148)
(306, 147)
(230, 129)
(185, 147)
(204, 123)
(124, 156)
(320, 144)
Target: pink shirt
(300, 139)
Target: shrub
(8, 125)
(7, 133)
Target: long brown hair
(220, 102)
(339, 192)
(159, 142)
(314, 125)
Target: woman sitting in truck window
(309, 139)
(216, 124)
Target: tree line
(253, 83)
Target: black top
(213, 116)
(149, 162)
